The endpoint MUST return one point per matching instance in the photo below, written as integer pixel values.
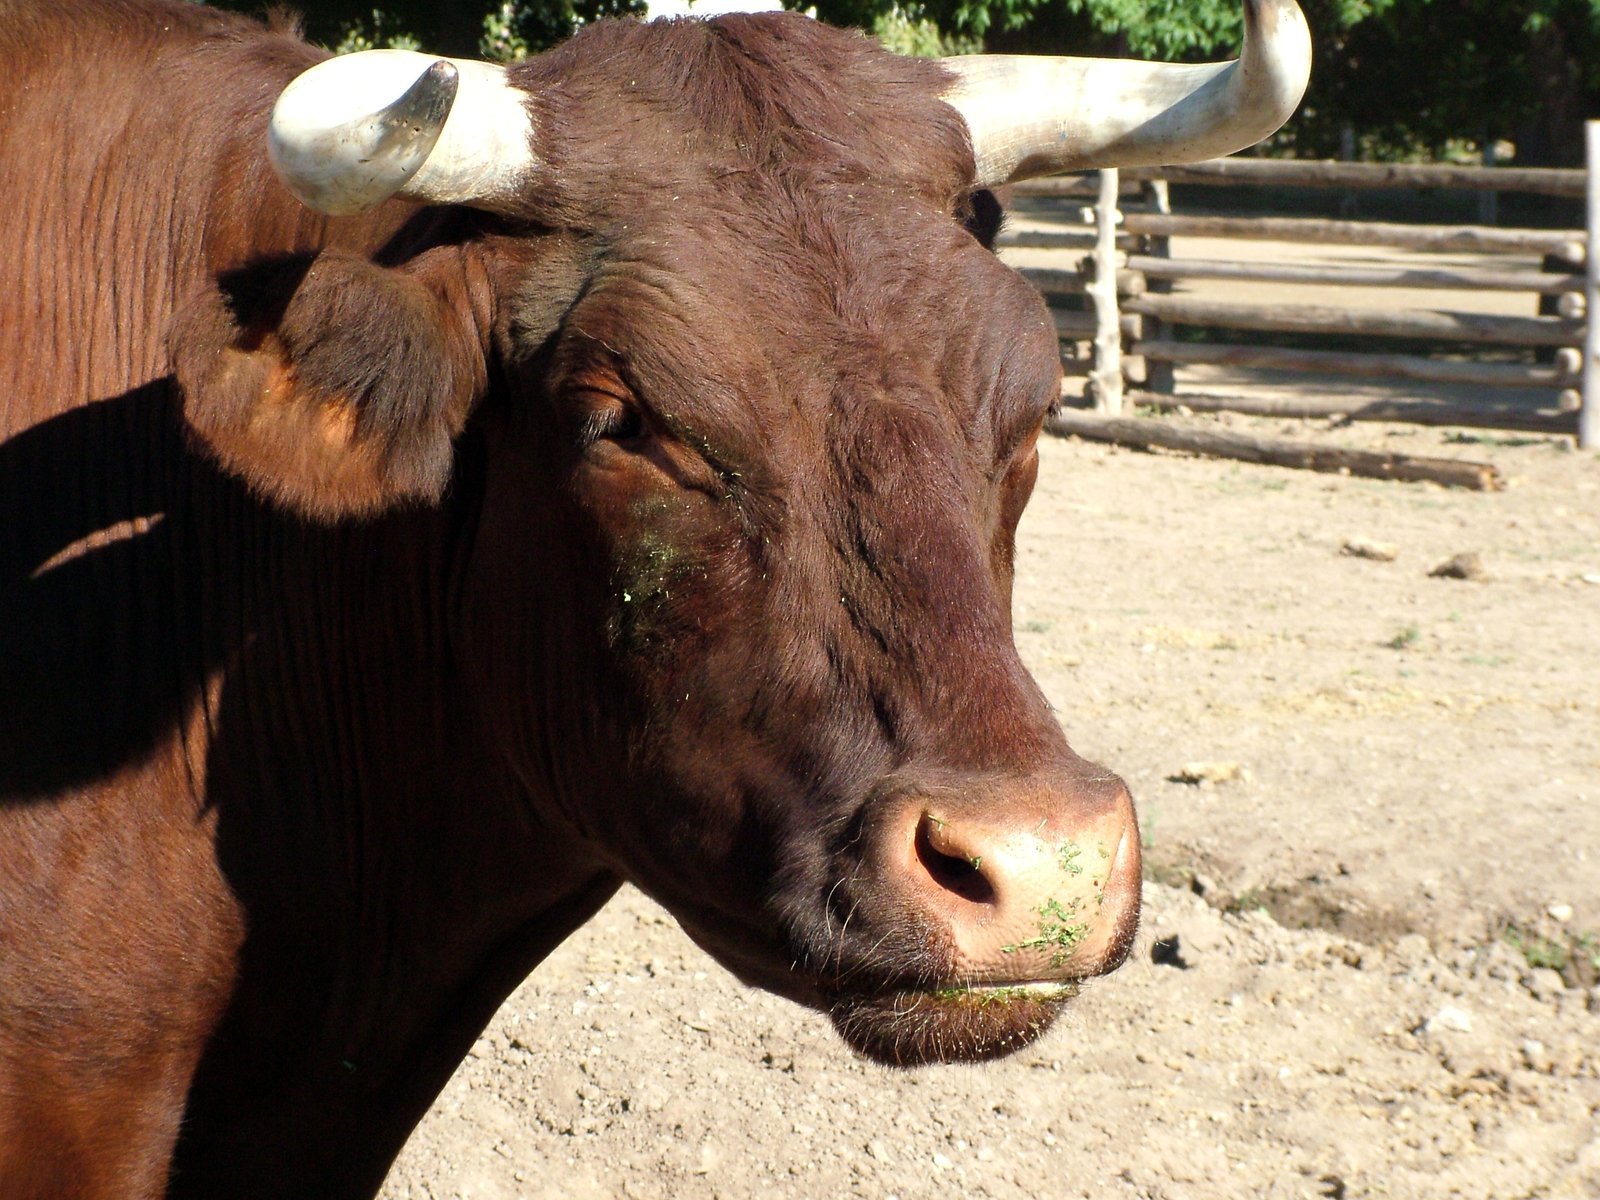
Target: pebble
(1537, 1056)
(1359, 547)
(1456, 1020)
(1203, 773)
(710, 1159)
(1561, 913)
(1462, 566)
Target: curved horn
(354, 130)
(1031, 116)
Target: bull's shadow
(99, 630)
(132, 569)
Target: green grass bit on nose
(1059, 932)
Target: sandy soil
(1368, 962)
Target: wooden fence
(1528, 372)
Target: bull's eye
(614, 423)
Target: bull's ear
(331, 384)
(985, 213)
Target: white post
(1589, 414)
(1105, 380)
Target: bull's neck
(394, 882)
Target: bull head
(754, 429)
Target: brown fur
(376, 594)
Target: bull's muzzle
(1031, 881)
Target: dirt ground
(1369, 952)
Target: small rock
(1560, 913)
(1200, 774)
(1590, 577)
(1462, 566)
(710, 1159)
(1358, 547)
(1456, 1020)
(880, 1152)
(942, 1162)
(1536, 1056)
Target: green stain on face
(1060, 932)
(981, 997)
(651, 567)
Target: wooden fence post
(1589, 414)
(1105, 380)
(1158, 375)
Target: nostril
(962, 875)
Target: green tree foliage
(970, 19)
(919, 36)
(1166, 29)
(470, 28)
(1422, 74)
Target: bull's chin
(948, 1025)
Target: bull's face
(793, 711)
(751, 439)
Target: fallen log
(1552, 420)
(1145, 434)
(1554, 376)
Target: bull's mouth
(963, 1023)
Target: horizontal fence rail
(1464, 279)
(1471, 239)
(1272, 172)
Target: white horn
(1031, 116)
(354, 130)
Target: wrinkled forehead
(796, 301)
(634, 112)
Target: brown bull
(620, 487)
